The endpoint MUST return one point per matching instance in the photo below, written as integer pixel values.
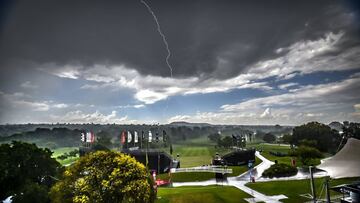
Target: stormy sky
(234, 62)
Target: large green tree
(326, 139)
(104, 176)
(226, 142)
(25, 171)
(351, 129)
(269, 138)
(214, 137)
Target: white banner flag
(135, 137)
(89, 137)
(150, 136)
(129, 137)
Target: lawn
(187, 177)
(293, 189)
(196, 152)
(267, 148)
(62, 150)
(202, 140)
(202, 176)
(191, 156)
(209, 194)
(237, 170)
(59, 151)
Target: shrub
(278, 154)
(280, 170)
(307, 155)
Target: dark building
(158, 161)
(239, 157)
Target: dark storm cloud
(207, 38)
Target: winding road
(240, 181)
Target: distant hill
(183, 123)
(69, 134)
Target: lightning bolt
(162, 36)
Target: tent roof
(346, 163)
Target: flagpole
(147, 158)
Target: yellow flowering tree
(104, 177)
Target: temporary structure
(346, 163)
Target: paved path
(240, 181)
(267, 163)
(211, 169)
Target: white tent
(346, 163)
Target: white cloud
(96, 117)
(266, 113)
(302, 57)
(150, 89)
(218, 118)
(288, 85)
(313, 114)
(21, 101)
(149, 96)
(67, 71)
(179, 118)
(29, 85)
(309, 56)
(34, 106)
(136, 106)
(356, 114)
(311, 95)
(324, 103)
(357, 107)
(60, 106)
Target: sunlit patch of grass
(209, 194)
(294, 188)
(60, 151)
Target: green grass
(191, 156)
(198, 152)
(237, 170)
(202, 140)
(267, 148)
(202, 176)
(59, 151)
(68, 161)
(293, 189)
(187, 177)
(208, 194)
